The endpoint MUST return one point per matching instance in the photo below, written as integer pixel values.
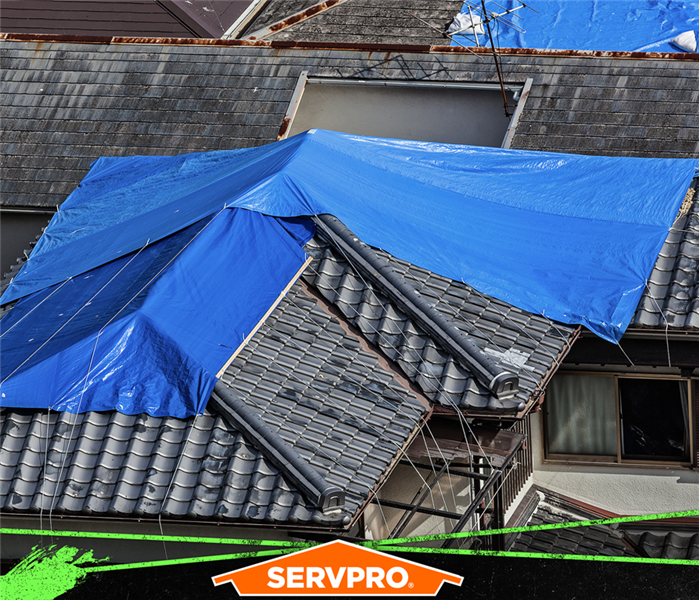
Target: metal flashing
(293, 106)
(514, 121)
(366, 47)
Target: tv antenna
(470, 24)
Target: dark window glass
(653, 418)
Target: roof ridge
(228, 404)
(500, 382)
(293, 19)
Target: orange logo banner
(337, 568)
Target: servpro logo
(339, 569)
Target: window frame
(619, 460)
(521, 91)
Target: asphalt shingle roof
(372, 21)
(65, 104)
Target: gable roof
(415, 22)
(134, 17)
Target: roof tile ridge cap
(327, 497)
(493, 376)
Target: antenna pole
(495, 58)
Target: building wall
(622, 490)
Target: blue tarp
(148, 332)
(573, 237)
(610, 25)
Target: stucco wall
(623, 490)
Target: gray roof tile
(672, 545)
(314, 390)
(587, 540)
(671, 296)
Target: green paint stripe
(463, 534)
(198, 559)
(150, 538)
(625, 559)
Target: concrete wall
(624, 490)
(439, 114)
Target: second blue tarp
(149, 332)
(609, 25)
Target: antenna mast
(471, 24)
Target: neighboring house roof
(275, 11)
(64, 104)
(139, 18)
(673, 545)
(593, 540)
(359, 21)
(645, 539)
(135, 17)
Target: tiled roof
(592, 540)
(311, 382)
(672, 294)
(673, 545)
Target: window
(618, 418)
(447, 111)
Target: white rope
(4, 333)
(660, 310)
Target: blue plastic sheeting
(616, 25)
(149, 332)
(574, 237)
